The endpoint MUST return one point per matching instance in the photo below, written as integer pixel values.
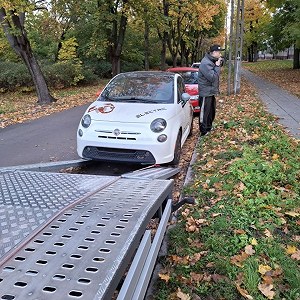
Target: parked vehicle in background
(140, 117)
(195, 65)
(190, 78)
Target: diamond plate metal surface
(84, 252)
(29, 199)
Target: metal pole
(238, 46)
(230, 48)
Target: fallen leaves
(267, 290)
(293, 251)
(182, 296)
(193, 225)
(292, 214)
(242, 291)
(249, 250)
(22, 111)
(263, 269)
(188, 259)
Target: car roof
(183, 69)
(145, 73)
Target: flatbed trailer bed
(74, 236)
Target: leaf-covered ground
(241, 240)
(19, 107)
(279, 72)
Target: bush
(130, 66)
(89, 76)
(62, 74)
(14, 75)
(101, 68)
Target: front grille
(120, 155)
(121, 132)
(116, 138)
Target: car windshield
(139, 88)
(189, 77)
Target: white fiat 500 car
(139, 117)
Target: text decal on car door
(150, 112)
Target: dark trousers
(207, 113)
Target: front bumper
(118, 155)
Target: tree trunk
(146, 43)
(296, 60)
(21, 46)
(174, 59)
(163, 51)
(255, 52)
(118, 46)
(164, 38)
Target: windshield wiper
(136, 99)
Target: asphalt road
(50, 138)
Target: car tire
(177, 151)
(191, 128)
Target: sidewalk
(278, 102)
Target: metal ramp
(152, 172)
(72, 236)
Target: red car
(190, 77)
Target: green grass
(269, 65)
(243, 194)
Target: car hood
(129, 112)
(192, 89)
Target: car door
(184, 108)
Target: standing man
(209, 72)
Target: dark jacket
(208, 76)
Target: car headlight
(158, 125)
(86, 121)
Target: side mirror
(185, 97)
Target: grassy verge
(280, 72)
(241, 240)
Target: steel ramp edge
(140, 272)
(57, 165)
(152, 172)
(84, 252)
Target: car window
(180, 88)
(190, 77)
(139, 89)
(195, 65)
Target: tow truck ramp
(74, 236)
